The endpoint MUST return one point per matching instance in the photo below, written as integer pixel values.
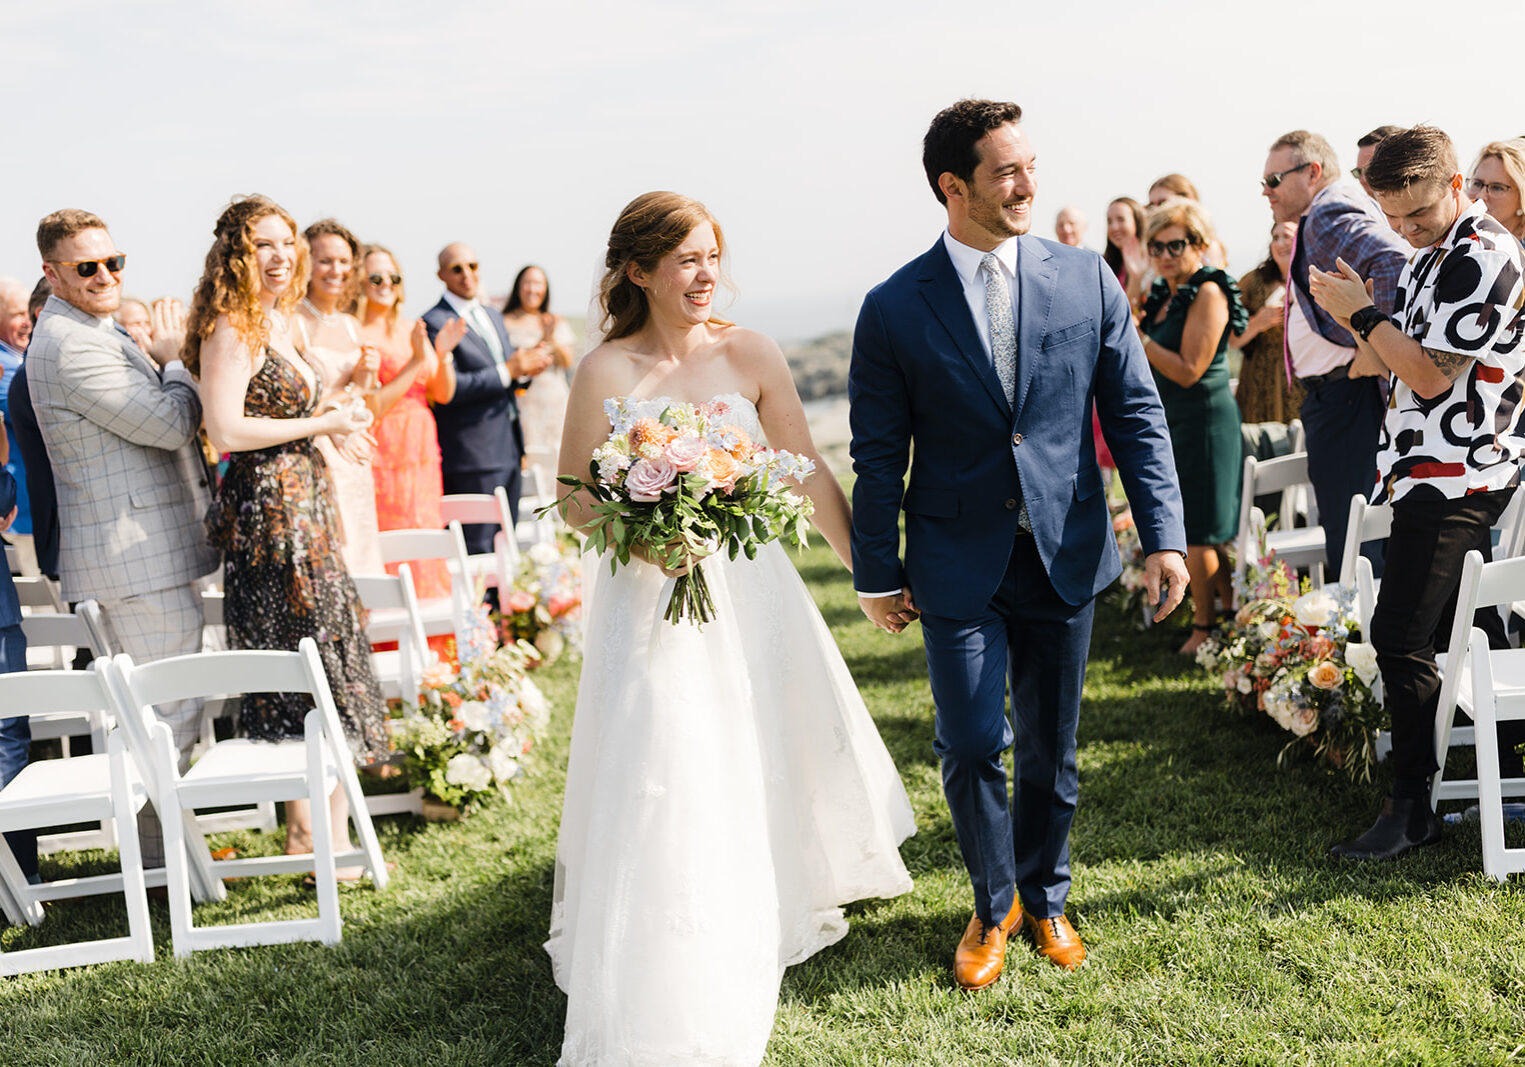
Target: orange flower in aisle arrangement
(545, 607)
(683, 482)
(1298, 656)
(472, 730)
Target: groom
(987, 352)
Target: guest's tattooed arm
(1452, 364)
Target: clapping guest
(528, 319)
(1365, 147)
(480, 435)
(1185, 329)
(329, 340)
(15, 331)
(406, 467)
(1497, 178)
(275, 519)
(1125, 247)
(1265, 394)
(20, 417)
(120, 429)
(133, 317)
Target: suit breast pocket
(1074, 333)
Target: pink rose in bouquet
(648, 479)
(686, 451)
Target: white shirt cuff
(876, 596)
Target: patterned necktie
(1003, 331)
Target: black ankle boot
(1402, 825)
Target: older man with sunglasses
(479, 434)
(120, 428)
(1342, 409)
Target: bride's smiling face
(683, 284)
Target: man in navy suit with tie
(987, 353)
(479, 436)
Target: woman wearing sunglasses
(1185, 327)
(329, 339)
(405, 470)
(274, 519)
(1497, 178)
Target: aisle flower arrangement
(1131, 594)
(472, 730)
(544, 609)
(1296, 654)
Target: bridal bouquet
(685, 480)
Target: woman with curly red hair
(274, 518)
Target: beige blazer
(132, 489)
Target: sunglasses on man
(462, 268)
(86, 268)
(1271, 181)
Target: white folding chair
(1368, 522)
(441, 615)
(393, 615)
(241, 771)
(495, 569)
(38, 593)
(1494, 686)
(1298, 546)
(104, 786)
(1483, 585)
(538, 490)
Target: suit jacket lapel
(944, 292)
(1035, 295)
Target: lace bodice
(739, 409)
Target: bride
(726, 791)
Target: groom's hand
(1167, 570)
(890, 613)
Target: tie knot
(990, 264)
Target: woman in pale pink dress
(405, 470)
(542, 409)
(330, 342)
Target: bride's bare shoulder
(751, 347)
(605, 371)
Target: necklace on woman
(324, 317)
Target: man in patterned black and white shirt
(1449, 454)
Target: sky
(523, 129)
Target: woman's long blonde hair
(230, 283)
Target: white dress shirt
(474, 314)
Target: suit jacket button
(1016, 439)
(1011, 505)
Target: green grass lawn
(1219, 932)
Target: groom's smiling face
(999, 196)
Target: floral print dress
(276, 523)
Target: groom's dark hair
(949, 144)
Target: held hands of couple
(1164, 581)
(890, 613)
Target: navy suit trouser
(15, 746)
(1341, 420)
(1028, 635)
(478, 536)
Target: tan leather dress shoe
(1057, 940)
(981, 952)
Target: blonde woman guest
(1172, 185)
(405, 469)
(275, 519)
(1497, 179)
(1185, 330)
(329, 339)
(1264, 393)
(527, 317)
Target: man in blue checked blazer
(977, 364)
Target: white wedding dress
(727, 792)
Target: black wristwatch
(1365, 320)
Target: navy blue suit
(999, 603)
(39, 481)
(480, 439)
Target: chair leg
(16, 888)
(324, 873)
(134, 890)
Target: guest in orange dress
(406, 466)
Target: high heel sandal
(1203, 628)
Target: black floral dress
(284, 578)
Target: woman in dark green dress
(1185, 327)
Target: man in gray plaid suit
(120, 426)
